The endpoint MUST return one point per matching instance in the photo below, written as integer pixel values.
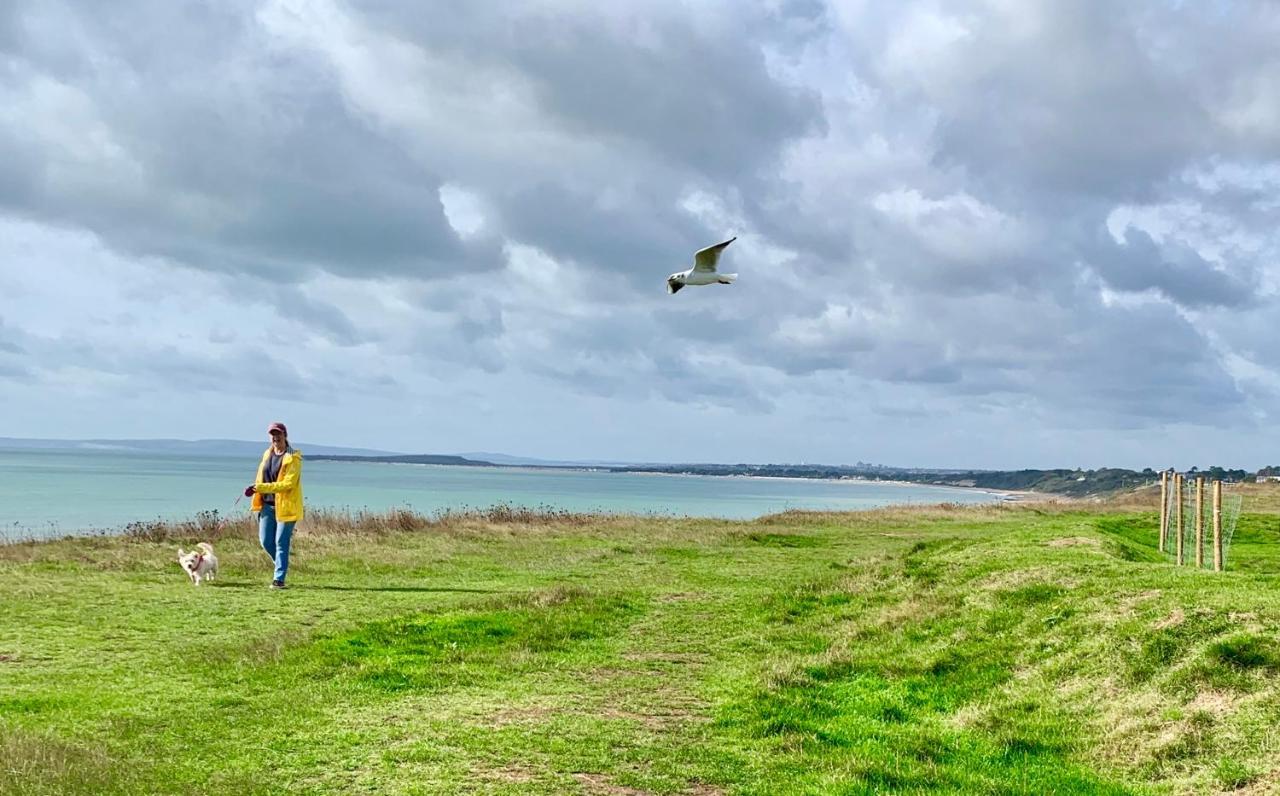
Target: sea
(51, 493)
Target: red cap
(278, 426)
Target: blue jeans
(275, 537)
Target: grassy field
(1007, 649)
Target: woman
(277, 499)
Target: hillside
(998, 649)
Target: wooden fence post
(1164, 507)
(1217, 526)
(1199, 521)
(1177, 495)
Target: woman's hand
(249, 490)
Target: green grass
(922, 650)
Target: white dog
(200, 564)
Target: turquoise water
(50, 493)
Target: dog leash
(222, 523)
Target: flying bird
(703, 271)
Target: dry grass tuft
(1215, 703)
(556, 595)
(1175, 618)
(658, 656)
(1014, 578)
(211, 526)
(601, 785)
(935, 512)
(513, 772)
(1145, 498)
(664, 719)
(1258, 498)
(1266, 785)
(26, 757)
(1074, 541)
(206, 526)
(525, 715)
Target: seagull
(703, 271)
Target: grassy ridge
(997, 649)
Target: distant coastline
(425, 458)
(1008, 484)
(1009, 495)
(1025, 483)
(1073, 483)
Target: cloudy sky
(988, 233)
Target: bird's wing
(705, 259)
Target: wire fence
(1190, 534)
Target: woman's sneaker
(278, 584)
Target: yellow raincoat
(287, 487)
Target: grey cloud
(698, 95)
(902, 412)
(797, 23)
(684, 381)
(646, 239)
(838, 351)
(636, 357)
(10, 30)
(718, 110)
(1176, 270)
(1099, 100)
(252, 369)
(248, 163)
(672, 375)
(16, 373)
(481, 320)
(927, 372)
(11, 339)
(319, 315)
(13, 352)
(1251, 333)
(1133, 392)
(1068, 354)
(688, 324)
(1135, 366)
(460, 347)
(255, 371)
(903, 261)
(19, 176)
(584, 375)
(1078, 105)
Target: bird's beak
(673, 286)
